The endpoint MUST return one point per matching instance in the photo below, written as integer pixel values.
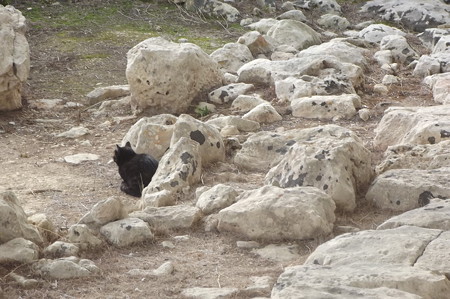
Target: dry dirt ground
(74, 50)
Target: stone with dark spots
(431, 140)
(296, 182)
(198, 136)
(223, 94)
(186, 157)
(325, 187)
(318, 178)
(174, 183)
(282, 150)
(218, 144)
(321, 156)
(424, 198)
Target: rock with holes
(126, 232)
(241, 124)
(435, 214)
(413, 125)
(423, 156)
(256, 43)
(293, 33)
(334, 22)
(178, 169)
(339, 48)
(324, 6)
(65, 268)
(400, 49)
(263, 113)
(413, 14)
(374, 33)
(218, 197)
(61, 249)
(245, 103)
(232, 56)
(326, 107)
(18, 250)
(407, 189)
(229, 92)
(151, 135)
(169, 218)
(211, 147)
(273, 213)
(166, 76)
(105, 211)
(330, 158)
(13, 221)
(15, 58)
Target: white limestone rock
(294, 33)
(263, 113)
(45, 226)
(398, 246)
(326, 107)
(169, 218)
(324, 6)
(293, 14)
(273, 213)
(166, 76)
(413, 14)
(232, 56)
(329, 157)
(427, 65)
(229, 92)
(278, 253)
(245, 103)
(15, 58)
(390, 79)
(431, 36)
(436, 257)
(61, 249)
(413, 125)
(263, 25)
(218, 197)
(80, 158)
(18, 250)
(13, 221)
(407, 189)
(74, 132)
(256, 43)
(151, 135)
(101, 94)
(384, 57)
(435, 215)
(164, 270)
(126, 231)
(440, 85)
(105, 211)
(178, 169)
(374, 33)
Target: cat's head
(123, 154)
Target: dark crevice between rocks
(425, 247)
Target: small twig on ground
(218, 276)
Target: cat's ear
(117, 146)
(128, 144)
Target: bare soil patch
(78, 46)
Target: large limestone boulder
(414, 14)
(151, 135)
(440, 85)
(105, 211)
(407, 189)
(14, 58)
(216, 198)
(127, 231)
(166, 76)
(413, 125)
(293, 33)
(13, 221)
(330, 158)
(18, 250)
(374, 33)
(435, 215)
(273, 213)
(400, 49)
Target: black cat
(136, 170)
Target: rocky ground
(73, 52)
